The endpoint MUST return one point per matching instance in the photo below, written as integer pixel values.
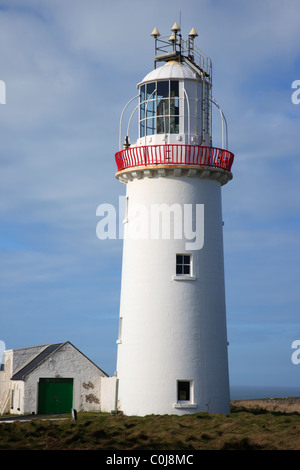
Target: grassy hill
(242, 429)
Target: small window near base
(183, 390)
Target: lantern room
(172, 101)
(174, 113)
(175, 99)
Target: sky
(69, 67)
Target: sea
(251, 392)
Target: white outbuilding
(53, 378)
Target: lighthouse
(172, 353)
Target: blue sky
(70, 67)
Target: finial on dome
(155, 33)
(193, 33)
(175, 28)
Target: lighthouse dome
(172, 70)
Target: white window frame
(184, 277)
(185, 403)
(119, 340)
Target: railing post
(134, 156)
(158, 153)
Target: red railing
(174, 154)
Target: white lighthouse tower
(172, 345)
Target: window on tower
(183, 265)
(159, 108)
(184, 391)
(119, 340)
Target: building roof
(43, 356)
(172, 70)
(36, 361)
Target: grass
(242, 429)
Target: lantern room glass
(159, 108)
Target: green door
(55, 396)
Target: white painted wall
(17, 390)
(5, 376)
(108, 394)
(23, 356)
(173, 330)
